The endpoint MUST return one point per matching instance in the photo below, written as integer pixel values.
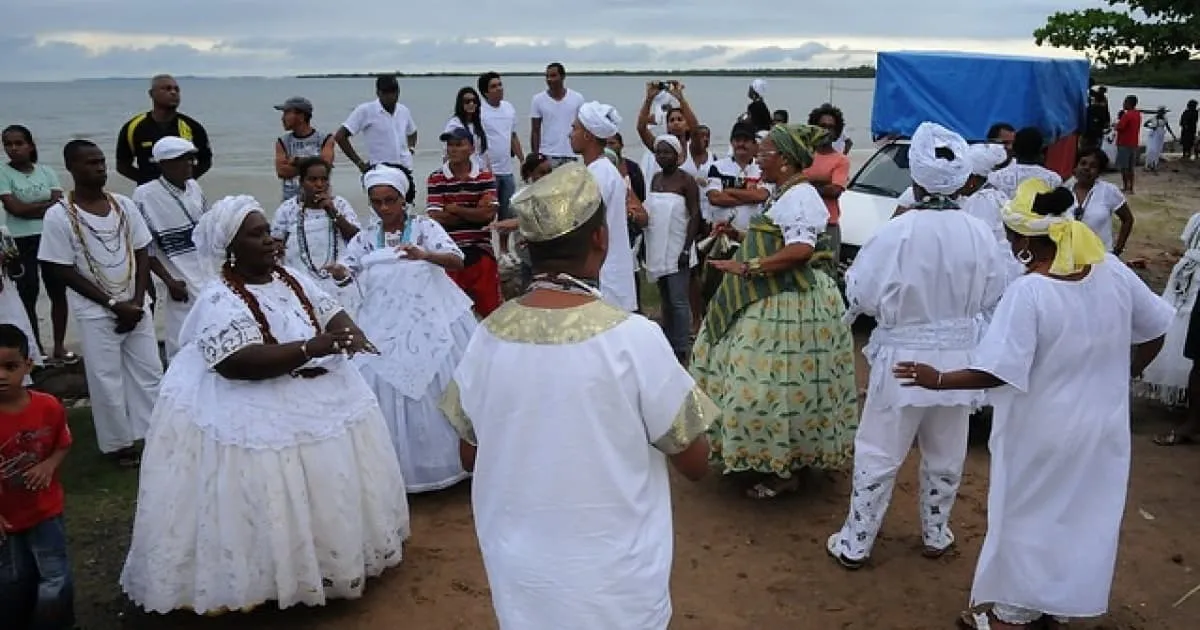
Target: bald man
(138, 136)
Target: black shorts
(1191, 344)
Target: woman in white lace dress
(420, 321)
(315, 227)
(267, 474)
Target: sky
(49, 40)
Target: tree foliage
(1129, 32)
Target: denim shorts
(37, 591)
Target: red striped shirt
(444, 189)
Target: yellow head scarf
(1078, 246)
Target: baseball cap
(297, 103)
(457, 133)
(742, 130)
(170, 148)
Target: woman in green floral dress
(774, 353)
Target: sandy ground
(753, 566)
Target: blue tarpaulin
(969, 92)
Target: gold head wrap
(1078, 246)
(557, 204)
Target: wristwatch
(111, 303)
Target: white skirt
(225, 527)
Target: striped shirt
(444, 189)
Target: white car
(870, 199)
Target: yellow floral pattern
(783, 376)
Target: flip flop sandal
(1175, 438)
(843, 561)
(933, 553)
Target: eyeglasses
(470, 101)
(762, 154)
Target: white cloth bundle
(217, 228)
(760, 87)
(601, 120)
(985, 157)
(934, 174)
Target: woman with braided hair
(268, 472)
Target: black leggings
(27, 283)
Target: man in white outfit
(171, 205)
(593, 126)
(96, 243)
(926, 277)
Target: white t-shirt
(727, 174)
(616, 275)
(171, 218)
(556, 117)
(387, 134)
(1098, 207)
(499, 123)
(109, 239)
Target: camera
(664, 85)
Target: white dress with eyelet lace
(283, 490)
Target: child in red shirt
(36, 588)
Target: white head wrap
(935, 175)
(601, 120)
(383, 175)
(985, 157)
(670, 140)
(760, 87)
(217, 227)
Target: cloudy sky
(67, 39)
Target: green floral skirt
(784, 377)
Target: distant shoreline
(861, 72)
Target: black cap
(743, 130)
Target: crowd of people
(319, 369)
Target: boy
(36, 589)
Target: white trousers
(173, 315)
(123, 372)
(884, 440)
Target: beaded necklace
(122, 237)
(405, 234)
(565, 283)
(331, 254)
(239, 289)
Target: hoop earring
(1024, 256)
(231, 259)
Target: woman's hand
(339, 272)
(917, 375)
(345, 340)
(413, 252)
(734, 267)
(675, 88)
(652, 90)
(637, 213)
(503, 225)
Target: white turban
(760, 87)
(601, 120)
(383, 175)
(216, 228)
(670, 140)
(934, 174)
(985, 157)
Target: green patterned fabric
(783, 377)
(796, 143)
(735, 293)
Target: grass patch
(99, 515)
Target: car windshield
(886, 173)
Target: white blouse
(1098, 207)
(801, 214)
(421, 231)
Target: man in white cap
(171, 205)
(561, 381)
(927, 277)
(594, 125)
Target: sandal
(933, 553)
(1174, 437)
(772, 489)
(846, 563)
(67, 358)
(982, 618)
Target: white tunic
(420, 321)
(571, 494)
(617, 281)
(926, 277)
(665, 233)
(1060, 441)
(325, 245)
(1098, 208)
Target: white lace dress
(313, 243)
(421, 322)
(252, 491)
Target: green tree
(1129, 32)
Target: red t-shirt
(1129, 128)
(833, 168)
(26, 439)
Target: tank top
(297, 147)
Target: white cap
(170, 148)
